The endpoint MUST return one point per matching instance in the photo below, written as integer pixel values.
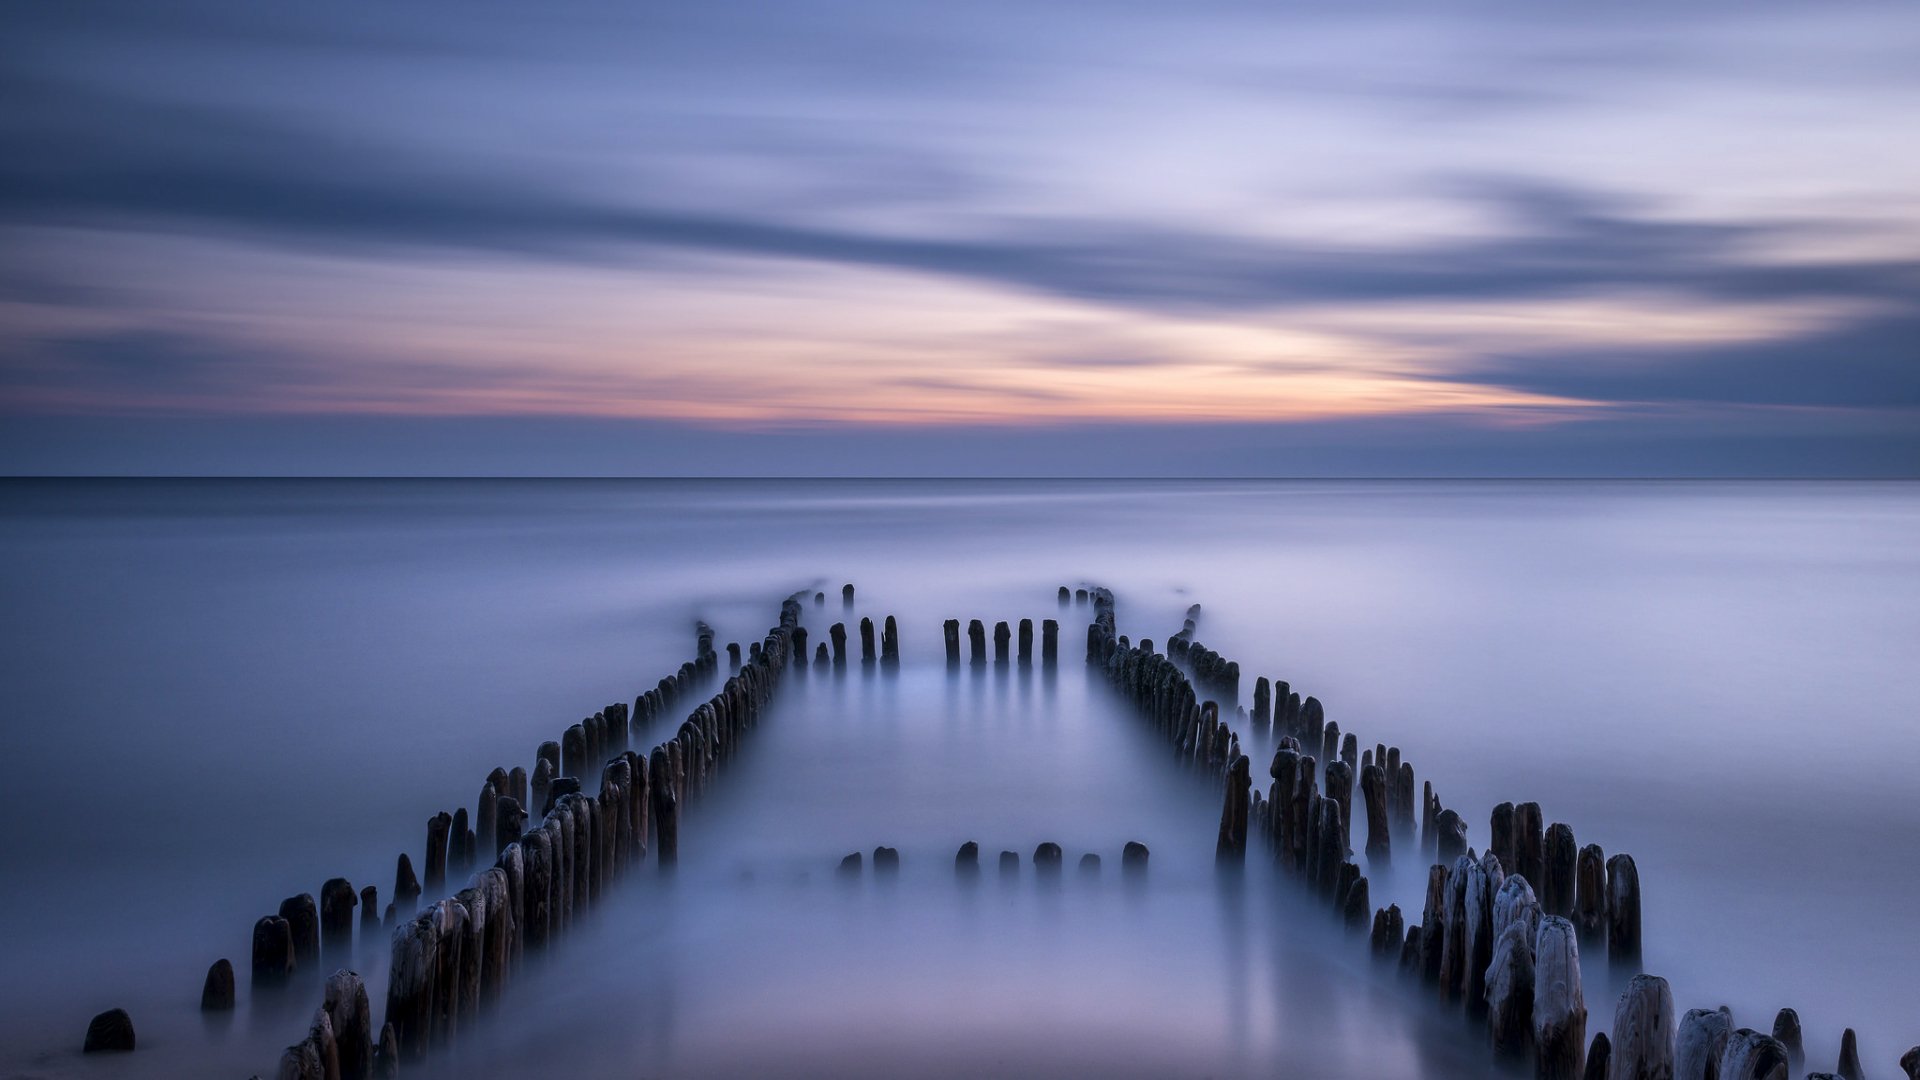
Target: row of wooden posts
(454, 958)
(1003, 642)
(1048, 861)
(1486, 938)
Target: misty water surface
(222, 693)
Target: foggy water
(221, 693)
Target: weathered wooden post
(966, 862)
(1590, 894)
(976, 642)
(302, 916)
(890, 642)
(733, 657)
(1623, 911)
(216, 994)
(573, 753)
(837, 633)
(459, 847)
(509, 821)
(1373, 789)
(1510, 989)
(337, 901)
(1528, 845)
(1786, 1028)
(666, 809)
(1026, 642)
(1133, 860)
(951, 631)
(438, 828)
(1643, 1031)
(1749, 1055)
(344, 1000)
(1066, 596)
(1451, 832)
(1231, 847)
(796, 646)
(1849, 1067)
(1559, 1006)
(1700, 1043)
(1009, 865)
(543, 777)
(1049, 642)
(1599, 1058)
(1047, 862)
(866, 640)
(1500, 835)
(273, 962)
(1560, 858)
(1001, 636)
(1484, 880)
(1910, 1062)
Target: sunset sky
(902, 238)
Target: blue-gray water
(220, 693)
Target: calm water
(221, 693)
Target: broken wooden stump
(1451, 833)
(1559, 859)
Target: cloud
(136, 164)
(1866, 363)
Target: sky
(903, 238)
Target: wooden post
(866, 640)
(1001, 636)
(1559, 1006)
(1373, 789)
(438, 828)
(1026, 642)
(1230, 847)
(1700, 1043)
(1599, 1058)
(1786, 1028)
(1590, 894)
(1133, 860)
(1528, 847)
(1500, 835)
(303, 927)
(509, 821)
(459, 849)
(1559, 859)
(966, 862)
(1749, 1055)
(337, 901)
(951, 631)
(1849, 1067)
(666, 808)
(838, 634)
(1643, 1031)
(1047, 860)
(344, 1000)
(1049, 642)
(216, 994)
(890, 642)
(976, 642)
(1510, 989)
(1623, 911)
(1484, 880)
(273, 962)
